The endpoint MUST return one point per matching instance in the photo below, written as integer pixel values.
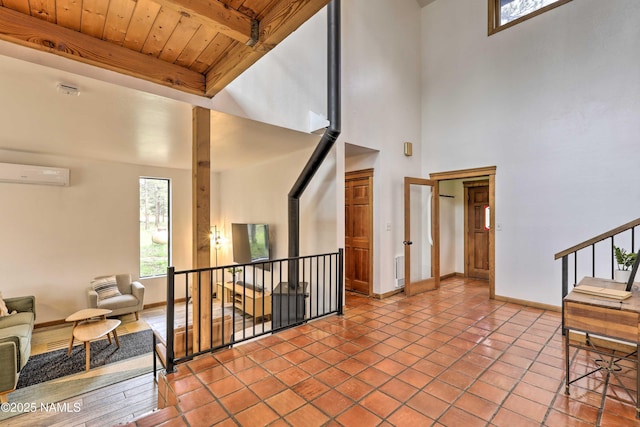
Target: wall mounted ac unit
(27, 174)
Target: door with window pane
(477, 229)
(421, 235)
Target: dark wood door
(358, 231)
(478, 228)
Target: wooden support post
(201, 295)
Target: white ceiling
(113, 122)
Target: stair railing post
(170, 368)
(565, 284)
(340, 280)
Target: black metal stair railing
(250, 300)
(593, 265)
(595, 257)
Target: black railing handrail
(611, 233)
(591, 243)
(326, 278)
(252, 264)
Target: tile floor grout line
(451, 404)
(438, 316)
(520, 379)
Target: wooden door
(477, 226)
(421, 236)
(359, 231)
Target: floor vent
(399, 271)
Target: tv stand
(251, 301)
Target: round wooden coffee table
(91, 324)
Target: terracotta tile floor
(451, 357)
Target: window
(155, 227)
(507, 13)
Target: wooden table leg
(71, 341)
(87, 349)
(115, 336)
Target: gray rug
(56, 364)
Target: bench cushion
(121, 301)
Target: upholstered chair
(116, 293)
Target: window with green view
(506, 13)
(155, 226)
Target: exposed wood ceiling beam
(274, 27)
(32, 32)
(217, 15)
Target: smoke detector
(68, 89)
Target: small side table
(92, 330)
(83, 316)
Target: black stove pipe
(328, 138)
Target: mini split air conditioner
(27, 174)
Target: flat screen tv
(250, 243)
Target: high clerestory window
(507, 13)
(155, 226)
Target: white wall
(553, 103)
(380, 108)
(283, 86)
(451, 235)
(55, 240)
(259, 195)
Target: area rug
(52, 376)
(56, 364)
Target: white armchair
(129, 297)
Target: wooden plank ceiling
(196, 46)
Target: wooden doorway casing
(359, 231)
(490, 173)
(476, 235)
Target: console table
(607, 318)
(252, 302)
